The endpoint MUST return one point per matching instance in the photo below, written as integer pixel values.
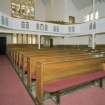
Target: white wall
(100, 7)
(40, 10)
(73, 11)
(60, 10)
(5, 6)
(66, 40)
(55, 10)
(58, 41)
(71, 41)
(47, 9)
(100, 39)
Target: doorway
(2, 45)
(51, 43)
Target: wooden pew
(28, 48)
(33, 59)
(15, 47)
(30, 67)
(42, 52)
(55, 77)
(19, 51)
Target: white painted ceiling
(80, 4)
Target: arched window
(89, 16)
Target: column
(22, 38)
(31, 39)
(90, 41)
(27, 38)
(93, 41)
(93, 34)
(38, 41)
(17, 38)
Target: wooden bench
(14, 47)
(35, 56)
(30, 67)
(47, 50)
(17, 49)
(55, 77)
(23, 56)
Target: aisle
(12, 91)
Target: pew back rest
(59, 70)
(33, 60)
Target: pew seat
(73, 81)
(33, 77)
(56, 88)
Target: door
(2, 45)
(51, 43)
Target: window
(89, 16)
(97, 15)
(4, 20)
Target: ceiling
(80, 4)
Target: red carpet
(90, 96)
(12, 91)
